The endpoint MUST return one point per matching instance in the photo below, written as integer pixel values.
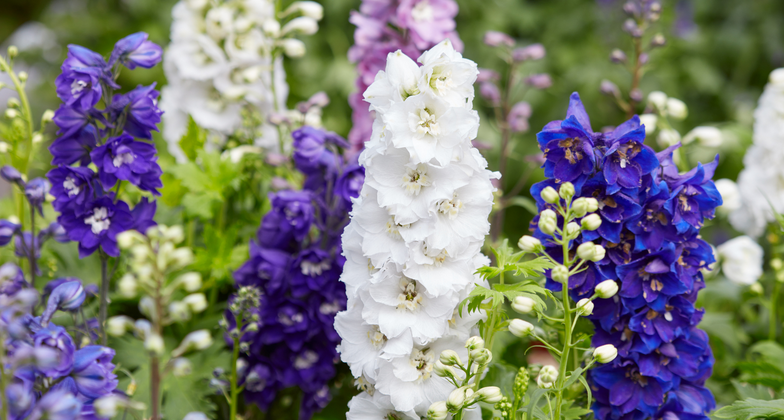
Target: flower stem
(31, 250)
(155, 381)
(234, 388)
(26, 114)
(773, 300)
(564, 362)
(104, 303)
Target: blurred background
(717, 59)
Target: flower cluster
(46, 374)
(225, 58)
(648, 222)
(415, 234)
(110, 138)
(758, 186)
(411, 26)
(296, 264)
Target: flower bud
(47, 117)
(195, 415)
(520, 328)
(598, 253)
(293, 48)
(776, 264)
(530, 244)
(127, 286)
(190, 281)
(549, 195)
(676, 108)
(584, 307)
(591, 222)
(482, 356)
(182, 257)
(657, 99)
(580, 207)
(11, 113)
(181, 367)
(196, 302)
(456, 399)
(4, 147)
(178, 311)
(658, 40)
(271, 28)
(154, 344)
(547, 221)
(437, 411)
(147, 307)
(756, 288)
(667, 137)
(649, 121)
(489, 394)
(443, 370)
(449, 358)
(116, 326)
(530, 52)
(309, 9)
(539, 81)
(13, 52)
(197, 340)
(22, 76)
(572, 229)
(13, 103)
(606, 289)
(617, 56)
(586, 251)
(68, 296)
(547, 377)
(174, 234)
(304, 25)
(474, 343)
(128, 238)
(705, 136)
(566, 191)
(523, 304)
(496, 39)
(605, 353)
(108, 406)
(560, 274)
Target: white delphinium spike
(413, 244)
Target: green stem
(104, 303)
(773, 301)
(26, 113)
(32, 245)
(235, 355)
(564, 362)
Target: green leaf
(766, 366)
(533, 268)
(528, 289)
(535, 397)
(587, 390)
(752, 409)
(528, 204)
(221, 254)
(746, 390)
(199, 205)
(193, 140)
(479, 295)
(573, 378)
(501, 375)
(572, 413)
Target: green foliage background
(718, 68)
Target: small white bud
(22, 76)
(154, 343)
(310, 9)
(549, 195)
(271, 28)
(572, 229)
(147, 307)
(127, 286)
(182, 257)
(489, 394)
(605, 354)
(4, 147)
(450, 357)
(593, 204)
(181, 367)
(456, 399)
(676, 108)
(11, 113)
(195, 415)
(606, 289)
(13, 103)
(190, 281)
(197, 302)
(520, 328)
(178, 311)
(474, 343)
(580, 207)
(560, 274)
(649, 121)
(13, 51)
(585, 307)
(591, 222)
(197, 340)
(108, 406)
(304, 25)
(598, 253)
(174, 234)
(529, 244)
(293, 48)
(437, 411)
(547, 221)
(667, 137)
(705, 136)
(443, 370)
(547, 377)
(566, 191)
(586, 251)
(523, 304)
(116, 326)
(657, 99)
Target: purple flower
(10, 174)
(266, 269)
(310, 272)
(430, 21)
(141, 110)
(58, 339)
(350, 182)
(626, 389)
(80, 57)
(25, 245)
(135, 50)
(310, 149)
(74, 148)
(7, 231)
(71, 120)
(11, 279)
(143, 214)
(650, 279)
(67, 296)
(57, 405)
(531, 52)
(93, 371)
(568, 145)
(79, 87)
(129, 160)
(489, 91)
(291, 217)
(518, 117)
(97, 225)
(627, 159)
(54, 230)
(36, 191)
(694, 197)
(72, 187)
(495, 39)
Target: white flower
(730, 195)
(667, 137)
(376, 407)
(649, 121)
(657, 99)
(741, 260)
(705, 135)
(398, 81)
(676, 108)
(448, 75)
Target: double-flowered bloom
(413, 243)
(410, 26)
(112, 137)
(651, 216)
(296, 264)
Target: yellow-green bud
(449, 358)
(560, 274)
(520, 328)
(605, 354)
(523, 304)
(47, 117)
(549, 195)
(489, 394)
(474, 343)
(13, 103)
(437, 411)
(586, 251)
(530, 244)
(591, 222)
(593, 204)
(22, 76)
(606, 289)
(584, 307)
(13, 52)
(566, 191)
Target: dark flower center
(572, 149)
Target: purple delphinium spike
(135, 50)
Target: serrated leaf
(752, 409)
(199, 204)
(763, 373)
(479, 295)
(533, 268)
(525, 288)
(572, 413)
(746, 390)
(193, 140)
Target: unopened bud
(304, 25)
(271, 28)
(649, 121)
(178, 311)
(13, 52)
(474, 343)
(599, 253)
(443, 370)
(449, 358)
(22, 76)
(438, 411)
(609, 88)
(181, 367)
(617, 56)
(529, 244)
(585, 307)
(547, 377)
(293, 48)
(11, 113)
(586, 251)
(116, 326)
(580, 207)
(549, 195)
(547, 221)
(658, 40)
(566, 191)
(482, 356)
(657, 99)
(127, 286)
(12, 103)
(593, 204)
(591, 222)
(196, 302)
(605, 354)
(154, 343)
(310, 9)
(197, 340)
(676, 108)
(456, 399)
(520, 328)
(190, 281)
(606, 289)
(489, 394)
(523, 304)
(572, 229)
(560, 274)
(756, 288)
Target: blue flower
(143, 214)
(68, 296)
(72, 187)
(57, 405)
(568, 145)
(627, 159)
(7, 231)
(290, 219)
(76, 147)
(97, 225)
(693, 197)
(56, 338)
(135, 50)
(123, 158)
(140, 109)
(626, 389)
(93, 371)
(650, 279)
